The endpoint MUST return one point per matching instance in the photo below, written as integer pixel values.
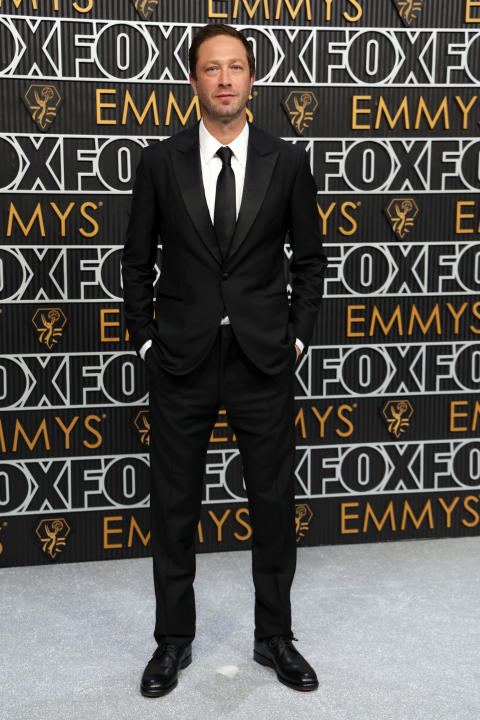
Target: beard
(221, 110)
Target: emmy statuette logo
(300, 106)
(401, 213)
(52, 534)
(409, 10)
(397, 415)
(49, 323)
(142, 423)
(145, 7)
(43, 102)
(303, 516)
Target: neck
(225, 132)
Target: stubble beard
(223, 112)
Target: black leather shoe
(291, 667)
(161, 674)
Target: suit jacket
(196, 283)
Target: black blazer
(195, 283)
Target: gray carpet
(392, 630)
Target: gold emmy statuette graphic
(409, 10)
(145, 7)
(142, 423)
(49, 323)
(300, 106)
(402, 213)
(52, 534)
(303, 515)
(397, 414)
(42, 101)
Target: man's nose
(224, 78)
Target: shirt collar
(209, 145)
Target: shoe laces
(282, 641)
(168, 648)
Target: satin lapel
(188, 172)
(258, 174)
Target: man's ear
(193, 83)
(252, 80)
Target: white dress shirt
(211, 166)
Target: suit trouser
(183, 411)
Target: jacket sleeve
(139, 255)
(308, 261)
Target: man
(221, 196)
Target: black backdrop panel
(383, 96)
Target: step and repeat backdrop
(383, 96)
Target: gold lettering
(80, 9)
(448, 509)
(300, 418)
(238, 518)
(454, 414)
(212, 13)
(67, 430)
(346, 420)
(351, 320)
(343, 210)
(293, 11)
(145, 539)
(328, 10)
(37, 215)
(423, 110)
(100, 105)
(469, 4)
(2, 438)
(465, 109)
(107, 531)
(325, 215)
(472, 511)
(42, 430)
(407, 510)
(376, 317)
(356, 111)
(456, 315)
(321, 418)
(354, 18)
(476, 312)
(461, 215)
(172, 104)
(62, 216)
(89, 218)
(87, 423)
(382, 109)
(251, 10)
(344, 517)
(415, 316)
(369, 513)
(220, 522)
(108, 323)
(129, 103)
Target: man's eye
(212, 67)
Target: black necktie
(225, 214)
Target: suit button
(225, 276)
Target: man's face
(223, 81)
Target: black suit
(248, 367)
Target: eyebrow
(210, 62)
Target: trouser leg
(260, 410)
(183, 411)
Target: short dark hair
(212, 30)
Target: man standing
(221, 196)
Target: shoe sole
(152, 693)
(262, 660)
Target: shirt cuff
(300, 344)
(146, 345)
